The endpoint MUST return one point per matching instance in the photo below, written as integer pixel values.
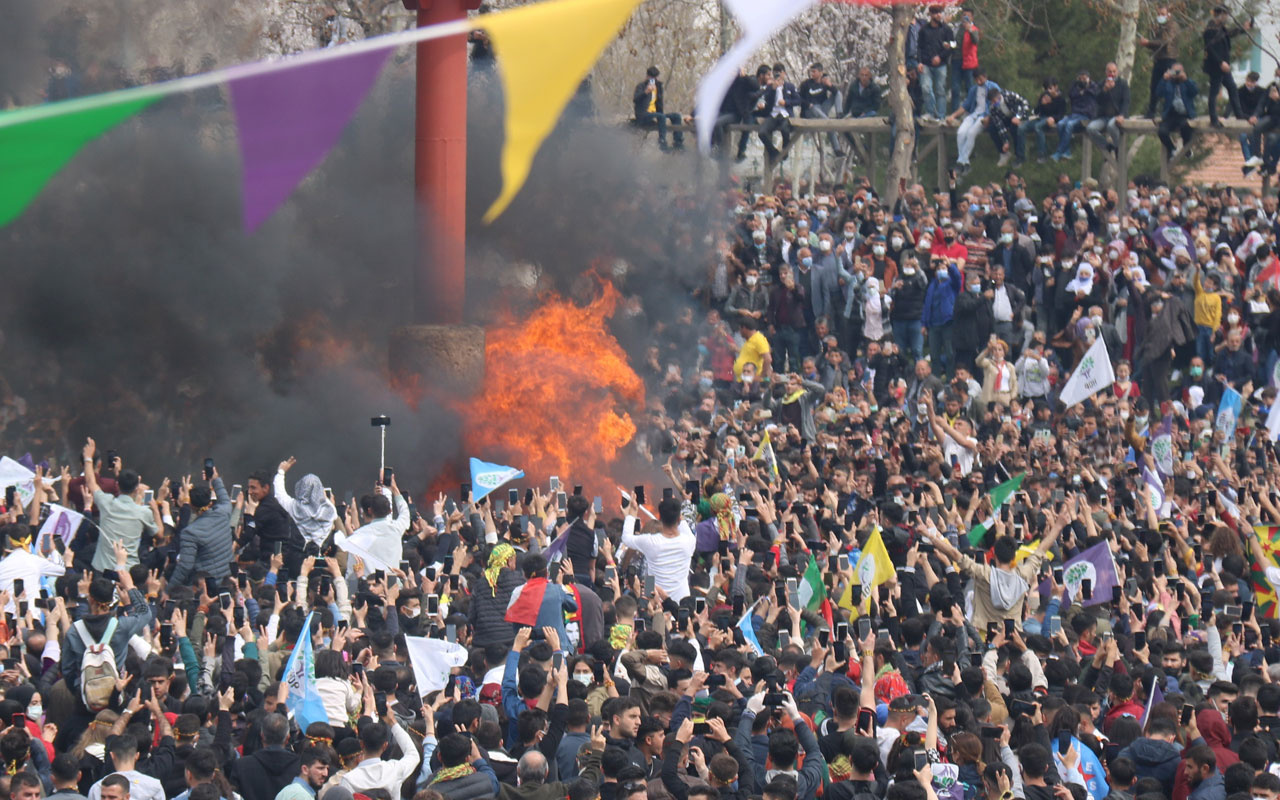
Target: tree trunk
(1127, 47)
(904, 145)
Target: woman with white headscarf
(311, 511)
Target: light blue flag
(1089, 769)
(1228, 412)
(486, 477)
(748, 628)
(300, 674)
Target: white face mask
(908, 270)
(412, 612)
(751, 280)
(825, 245)
(1006, 237)
(878, 249)
(583, 678)
(35, 712)
(896, 242)
(1233, 318)
(1161, 19)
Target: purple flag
(1095, 565)
(290, 119)
(557, 547)
(1153, 697)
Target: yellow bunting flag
(544, 52)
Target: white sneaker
(1256, 161)
(1004, 159)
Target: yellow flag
(544, 51)
(873, 569)
(1025, 550)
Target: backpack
(98, 672)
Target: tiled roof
(1222, 164)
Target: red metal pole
(440, 170)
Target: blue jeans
(1066, 128)
(1039, 126)
(660, 121)
(933, 89)
(961, 82)
(1204, 344)
(908, 334)
(941, 355)
(787, 347)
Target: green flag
(812, 591)
(998, 497)
(32, 151)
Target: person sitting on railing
(1178, 95)
(1007, 111)
(1050, 108)
(1265, 121)
(1084, 107)
(974, 109)
(1113, 107)
(781, 100)
(1251, 94)
(647, 101)
(819, 98)
(862, 98)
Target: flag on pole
(765, 453)
(1095, 565)
(748, 628)
(1273, 419)
(486, 477)
(1264, 594)
(998, 496)
(1162, 447)
(1228, 412)
(1088, 767)
(1153, 697)
(1091, 375)
(1155, 491)
(811, 590)
(432, 661)
(300, 674)
(62, 522)
(873, 568)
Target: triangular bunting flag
(32, 152)
(289, 120)
(544, 51)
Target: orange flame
(557, 393)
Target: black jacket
(934, 42)
(741, 98)
(908, 299)
(971, 321)
(814, 93)
(1217, 46)
(488, 609)
(262, 775)
(1114, 102)
(271, 524)
(1018, 269)
(640, 99)
(859, 99)
(581, 547)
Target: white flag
(378, 551)
(1273, 419)
(432, 660)
(759, 20)
(1093, 374)
(62, 522)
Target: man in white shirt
(373, 772)
(378, 540)
(668, 553)
(136, 786)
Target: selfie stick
(382, 456)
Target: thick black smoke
(136, 310)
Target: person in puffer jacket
(491, 597)
(1157, 754)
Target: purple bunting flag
(290, 119)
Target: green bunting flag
(998, 497)
(32, 151)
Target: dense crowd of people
(947, 85)
(883, 559)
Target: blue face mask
(807, 261)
